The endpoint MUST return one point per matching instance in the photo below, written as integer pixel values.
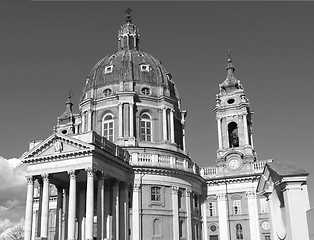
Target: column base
(41, 238)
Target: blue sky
(47, 48)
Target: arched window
(107, 126)
(157, 227)
(146, 127)
(233, 134)
(239, 234)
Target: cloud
(12, 192)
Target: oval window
(107, 92)
(230, 101)
(146, 91)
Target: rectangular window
(236, 207)
(263, 205)
(155, 194)
(211, 209)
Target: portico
(93, 181)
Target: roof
(286, 169)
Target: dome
(130, 67)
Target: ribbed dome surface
(130, 65)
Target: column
(136, 208)
(108, 230)
(253, 215)
(175, 211)
(64, 214)
(45, 207)
(29, 208)
(72, 206)
(38, 223)
(101, 207)
(204, 219)
(131, 119)
(164, 124)
(59, 214)
(222, 216)
(189, 214)
(120, 106)
(245, 129)
(115, 210)
(126, 210)
(219, 133)
(34, 225)
(172, 126)
(89, 204)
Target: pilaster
(253, 215)
(175, 211)
(222, 216)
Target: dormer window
(145, 68)
(108, 69)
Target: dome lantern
(128, 35)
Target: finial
(229, 55)
(70, 94)
(128, 16)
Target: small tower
(234, 122)
(66, 121)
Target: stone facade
(119, 168)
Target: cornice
(168, 172)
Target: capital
(30, 180)
(101, 175)
(45, 177)
(250, 194)
(221, 197)
(136, 187)
(175, 190)
(188, 192)
(72, 174)
(90, 172)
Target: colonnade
(75, 208)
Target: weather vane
(128, 16)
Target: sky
(47, 48)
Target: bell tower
(234, 122)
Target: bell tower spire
(234, 122)
(128, 35)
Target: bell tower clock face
(234, 164)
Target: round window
(230, 101)
(107, 92)
(213, 228)
(146, 91)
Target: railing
(93, 138)
(167, 161)
(255, 167)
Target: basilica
(118, 169)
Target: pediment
(56, 145)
